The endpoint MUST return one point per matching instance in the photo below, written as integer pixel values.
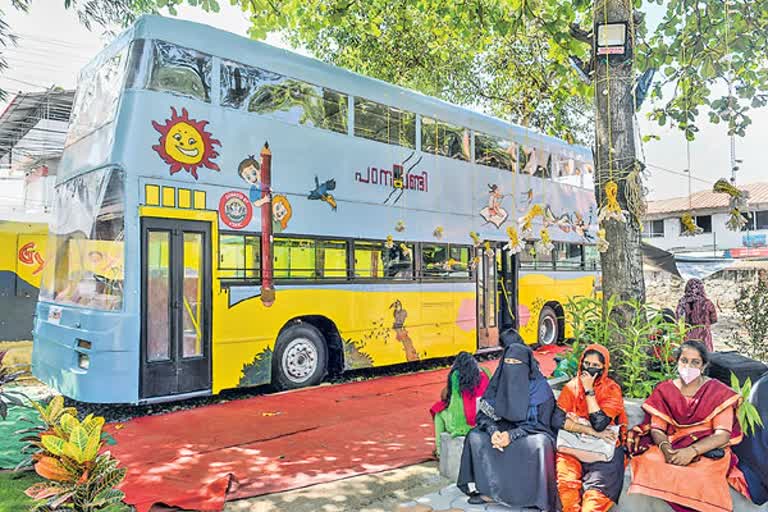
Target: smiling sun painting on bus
(185, 144)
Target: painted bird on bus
(322, 192)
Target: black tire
(300, 358)
(549, 327)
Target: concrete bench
(450, 458)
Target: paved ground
(380, 492)
(451, 499)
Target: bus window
(444, 139)
(567, 167)
(384, 124)
(180, 70)
(158, 284)
(459, 261)
(591, 257)
(369, 261)
(434, 261)
(568, 256)
(398, 261)
(98, 90)
(294, 258)
(279, 97)
(584, 168)
(495, 152)
(532, 260)
(536, 162)
(332, 259)
(239, 257)
(86, 264)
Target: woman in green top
(456, 412)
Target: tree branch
(580, 34)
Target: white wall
(721, 236)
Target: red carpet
(199, 458)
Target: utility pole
(615, 139)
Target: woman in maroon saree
(698, 311)
(681, 453)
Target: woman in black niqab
(509, 457)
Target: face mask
(687, 374)
(595, 372)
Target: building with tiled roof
(710, 210)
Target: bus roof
(229, 46)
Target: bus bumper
(85, 355)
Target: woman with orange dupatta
(681, 452)
(592, 402)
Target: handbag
(714, 453)
(584, 447)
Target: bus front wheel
(300, 357)
(548, 326)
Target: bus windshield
(86, 252)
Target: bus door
(487, 298)
(506, 267)
(496, 294)
(176, 307)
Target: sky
(53, 46)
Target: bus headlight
(83, 361)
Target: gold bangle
(661, 445)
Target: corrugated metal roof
(707, 200)
(22, 114)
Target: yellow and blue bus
(231, 214)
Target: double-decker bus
(231, 214)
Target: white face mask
(687, 374)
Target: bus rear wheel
(300, 358)
(549, 331)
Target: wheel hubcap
(547, 331)
(299, 360)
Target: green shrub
(76, 476)
(747, 413)
(641, 342)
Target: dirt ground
(380, 492)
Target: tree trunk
(615, 153)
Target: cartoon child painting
(494, 213)
(281, 213)
(250, 170)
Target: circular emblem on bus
(235, 209)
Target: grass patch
(12, 487)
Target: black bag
(714, 453)
(723, 363)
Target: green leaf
(78, 443)
(92, 447)
(93, 424)
(53, 444)
(67, 423)
(55, 408)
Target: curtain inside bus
(85, 249)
